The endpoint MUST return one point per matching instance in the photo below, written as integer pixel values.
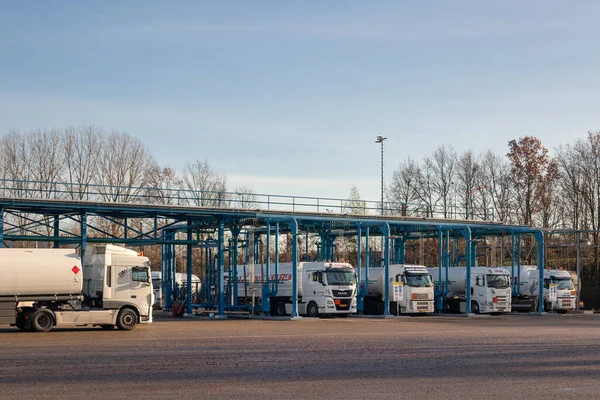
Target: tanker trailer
(45, 288)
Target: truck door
(140, 287)
(480, 290)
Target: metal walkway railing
(203, 198)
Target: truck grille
(342, 293)
(423, 305)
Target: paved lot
(502, 357)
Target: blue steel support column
(438, 295)
(166, 293)
(235, 232)
(221, 261)
(56, 230)
(1, 227)
(83, 235)
(275, 290)
(474, 253)
(189, 269)
(447, 262)
(367, 256)
(266, 289)
(519, 262)
(306, 258)
(386, 286)
(359, 290)
(402, 251)
(294, 227)
(467, 235)
(540, 239)
(515, 287)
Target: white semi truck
(180, 280)
(416, 297)
(323, 288)
(490, 289)
(45, 288)
(529, 291)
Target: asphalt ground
(498, 357)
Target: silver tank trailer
(40, 272)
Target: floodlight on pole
(381, 139)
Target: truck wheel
(312, 310)
(126, 320)
(280, 308)
(474, 307)
(41, 321)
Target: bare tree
(496, 173)
(15, 167)
(123, 166)
(164, 186)
(427, 192)
(82, 148)
(443, 166)
(404, 188)
(245, 198)
(467, 182)
(207, 187)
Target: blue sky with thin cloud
(288, 96)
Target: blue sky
(288, 96)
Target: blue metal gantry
(75, 222)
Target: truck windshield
(498, 281)
(418, 280)
(563, 283)
(341, 278)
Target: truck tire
(474, 307)
(41, 321)
(127, 319)
(280, 308)
(312, 310)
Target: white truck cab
(489, 286)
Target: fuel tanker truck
(528, 282)
(45, 288)
(324, 288)
(490, 289)
(413, 285)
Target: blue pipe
(359, 290)
(386, 311)
(1, 227)
(275, 290)
(367, 260)
(234, 277)
(56, 231)
(306, 258)
(447, 263)
(266, 289)
(519, 263)
(467, 235)
(540, 239)
(189, 270)
(514, 285)
(221, 262)
(439, 300)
